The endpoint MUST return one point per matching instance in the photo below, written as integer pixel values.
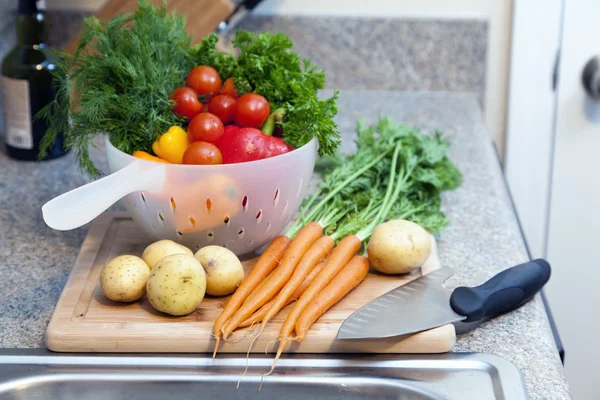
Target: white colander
(239, 206)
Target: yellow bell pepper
(171, 145)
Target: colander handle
(79, 206)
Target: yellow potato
(159, 250)
(177, 284)
(124, 278)
(398, 247)
(224, 271)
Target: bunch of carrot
(308, 269)
(316, 263)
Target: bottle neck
(31, 27)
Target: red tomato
(230, 130)
(229, 88)
(204, 80)
(223, 106)
(249, 144)
(206, 127)
(251, 111)
(277, 146)
(187, 101)
(202, 153)
(242, 144)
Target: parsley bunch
(267, 65)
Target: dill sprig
(119, 81)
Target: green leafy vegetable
(121, 76)
(123, 72)
(267, 65)
(396, 173)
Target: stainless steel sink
(38, 374)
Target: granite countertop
(482, 239)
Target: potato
(177, 284)
(398, 247)
(124, 278)
(224, 271)
(159, 250)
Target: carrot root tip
(218, 339)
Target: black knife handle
(505, 292)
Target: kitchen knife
(424, 303)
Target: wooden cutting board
(202, 16)
(86, 321)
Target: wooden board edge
(67, 339)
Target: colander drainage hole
(250, 242)
(245, 203)
(210, 236)
(173, 204)
(226, 219)
(161, 218)
(276, 198)
(258, 216)
(241, 233)
(179, 233)
(208, 204)
(192, 221)
(268, 227)
(143, 197)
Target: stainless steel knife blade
(421, 304)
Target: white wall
(498, 13)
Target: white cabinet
(553, 168)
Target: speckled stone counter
(482, 239)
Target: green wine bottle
(27, 85)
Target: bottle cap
(31, 6)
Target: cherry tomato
(202, 153)
(252, 110)
(229, 88)
(187, 101)
(206, 127)
(204, 80)
(223, 106)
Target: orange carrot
(336, 260)
(258, 315)
(299, 245)
(260, 285)
(263, 267)
(317, 251)
(348, 278)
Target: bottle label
(17, 113)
